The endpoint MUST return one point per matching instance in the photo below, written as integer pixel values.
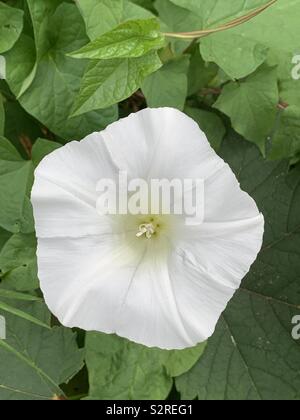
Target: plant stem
(229, 25)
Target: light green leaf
(101, 16)
(51, 102)
(285, 138)
(178, 362)
(236, 57)
(37, 360)
(120, 369)
(251, 105)
(107, 82)
(252, 355)
(241, 50)
(277, 28)
(18, 265)
(16, 177)
(168, 86)
(130, 39)
(4, 237)
(210, 123)
(11, 25)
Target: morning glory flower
(152, 278)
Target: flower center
(146, 229)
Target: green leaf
(42, 148)
(18, 265)
(238, 57)
(21, 314)
(120, 369)
(107, 82)
(176, 19)
(241, 50)
(210, 123)
(251, 105)
(11, 25)
(252, 355)
(277, 28)
(16, 177)
(10, 294)
(177, 362)
(37, 360)
(130, 39)
(2, 116)
(55, 36)
(102, 16)
(168, 86)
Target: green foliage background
(73, 68)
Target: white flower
(153, 280)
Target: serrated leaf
(252, 355)
(37, 360)
(241, 50)
(251, 105)
(285, 138)
(101, 16)
(16, 178)
(42, 148)
(130, 39)
(11, 25)
(120, 369)
(107, 82)
(168, 86)
(210, 123)
(276, 28)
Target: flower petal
(64, 193)
(85, 280)
(208, 267)
(160, 143)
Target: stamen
(146, 229)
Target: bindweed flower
(152, 277)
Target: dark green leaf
(252, 355)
